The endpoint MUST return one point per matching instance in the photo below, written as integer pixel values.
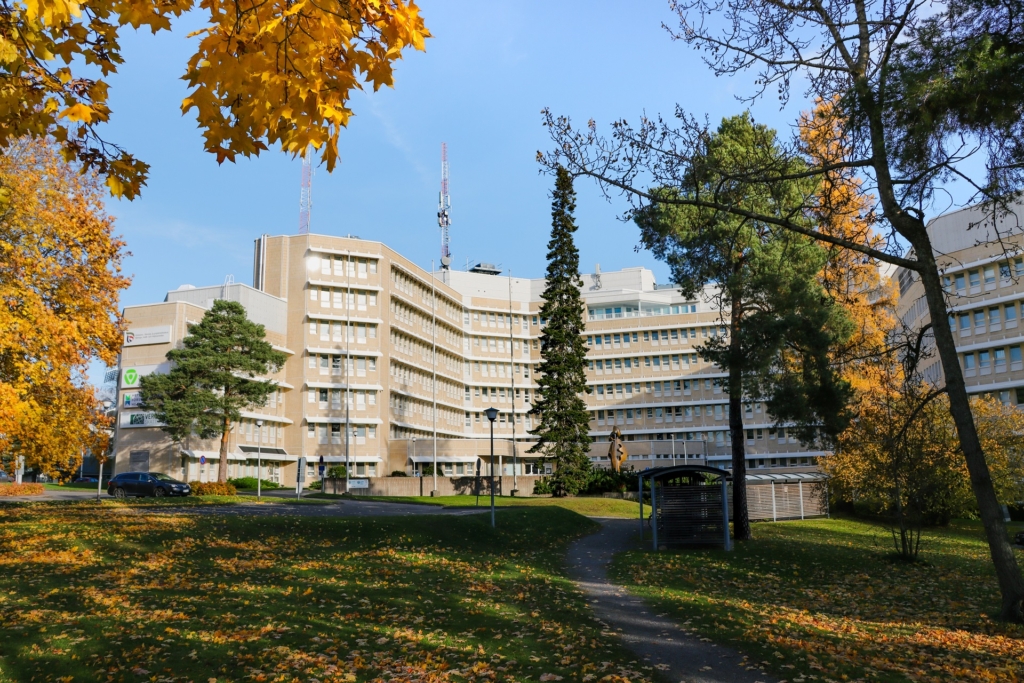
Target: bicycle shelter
(689, 506)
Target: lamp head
(492, 414)
(259, 423)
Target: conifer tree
(563, 430)
(214, 377)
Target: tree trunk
(740, 519)
(222, 469)
(1011, 584)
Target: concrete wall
(446, 486)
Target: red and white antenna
(444, 209)
(306, 192)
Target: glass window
(999, 355)
(995, 316)
(979, 318)
(990, 275)
(1010, 312)
(984, 359)
(974, 277)
(1015, 356)
(968, 361)
(960, 284)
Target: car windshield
(160, 476)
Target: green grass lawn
(71, 485)
(116, 593)
(824, 600)
(593, 507)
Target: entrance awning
(210, 455)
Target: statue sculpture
(617, 453)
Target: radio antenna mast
(444, 208)
(306, 192)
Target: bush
(246, 483)
(399, 473)
(21, 490)
(213, 488)
(336, 472)
(316, 485)
(542, 487)
(607, 481)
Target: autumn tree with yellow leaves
(279, 72)
(60, 278)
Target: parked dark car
(86, 480)
(1019, 538)
(146, 484)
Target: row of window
(328, 330)
(676, 361)
(503, 420)
(503, 346)
(358, 300)
(268, 433)
(328, 264)
(413, 317)
(971, 281)
(496, 320)
(414, 288)
(991, 319)
(485, 369)
(716, 411)
(414, 346)
(655, 337)
(496, 394)
(678, 387)
(358, 366)
(403, 406)
(992, 360)
(633, 311)
(358, 399)
(332, 433)
(406, 375)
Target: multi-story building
(362, 325)
(982, 264)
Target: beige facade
(361, 325)
(983, 270)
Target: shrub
(246, 483)
(336, 472)
(316, 485)
(21, 490)
(607, 481)
(213, 488)
(542, 487)
(399, 473)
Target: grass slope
(593, 507)
(116, 593)
(824, 600)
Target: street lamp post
(259, 460)
(492, 415)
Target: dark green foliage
(961, 75)
(563, 430)
(781, 324)
(607, 481)
(542, 487)
(213, 377)
(338, 472)
(399, 473)
(246, 483)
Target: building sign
(359, 483)
(130, 376)
(141, 336)
(131, 399)
(138, 419)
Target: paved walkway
(660, 642)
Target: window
(979, 318)
(984, 359)
(974, 277)
(999, 356)
(1015, 356)
(990, 275)
(1010, 314)
(969, 362)
(960, 283)
(994, 316)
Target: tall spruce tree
(214, 377)
(563, 430)
(780, 323)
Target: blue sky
(480, 86)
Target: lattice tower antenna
(306, 192)
(444, 208)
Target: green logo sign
(131, 376)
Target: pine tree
(214, 377)
(563, 429)
(781, 325)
